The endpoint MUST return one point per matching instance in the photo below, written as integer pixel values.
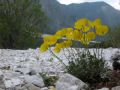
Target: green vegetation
(87, 67)
(115, 37)
(21, 23)
(49, 80)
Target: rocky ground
(21, 69)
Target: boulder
(116, 88)
(35, 80)
(116, 56)
(2, 86)
(45, 88)
(69, 82)
(2, 89)
(13, 82)
(32, 87)
(32, 72)
(103, 89)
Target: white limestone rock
(13, 82)
(35, 80)
(69, 82)
(116, 88)
(103, 88)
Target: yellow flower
(101, 30)
(77, 35)
(86, 38)
(61, 33)
(83, 31)
(69, 33)
(56, 50)
(50, 40)
(64, 44)
(44, 47)
(58, 47)
(67, 44)
(97, 22)
(90, 36)
(80, 23)
(86, 29)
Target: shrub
(88, 68)
(49, 80)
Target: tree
(21, 22)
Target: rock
(2, 89)
(32, 87)
(1, 73)
(32, 72)
(35, 80)
(52, 88)
(1, 76)
(22, 70)
(116, 56)
(45, 88)
(2, 86)
(69, 82)
(13, 82)
(103, 88)
(116, 88)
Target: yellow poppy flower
(67, 44)
(90, 36)
(101, 30)
(86, 38)
(56, 50)
(69, 34)
(97, 22)
(44, 47)
(80, 23)
(77, 35)
(58, 47)
(86, 29)
(50, 40)
(61, 33)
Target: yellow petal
(50, 40)
(90, 36)
(80, 23)
(44, 47)
(86, 29)
(101, 30)
(77, 35)
(97, 22)
(56, 50)
(67, 44)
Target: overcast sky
(114, 3)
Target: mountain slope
(65, 15)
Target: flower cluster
(84, 31)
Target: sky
(114, 3)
